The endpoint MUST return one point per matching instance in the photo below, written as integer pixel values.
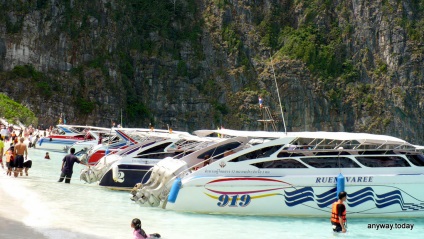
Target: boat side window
(416, 159)
(280, 163)
(335, 152)
(156, 155)
(290, 153)
(115, 139)
(182, 154)
(330, 162)
(383, 161)
(156, 149)
(219, 150)
(260, 153)
(376, 152)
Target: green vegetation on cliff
(204, 63)
(12, 111)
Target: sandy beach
(12, 213)
(14, 229)
(17, 217)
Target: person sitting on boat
(100, 139)
(338, 214)
(228, 152)
(206, 161)
(139, 233)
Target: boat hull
(55, 144)
(373, 196)
(129, 176)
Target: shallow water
(60, 210)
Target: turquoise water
(60, 210)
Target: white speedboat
(109, 145)
(131, 167)
(134, 168)
(95, 173)
(297, 174)
(69, 135)
(104, 155)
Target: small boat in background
(68, 135)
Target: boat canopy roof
(363, 138)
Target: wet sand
(11, 213)
(13, 229)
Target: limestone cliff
(340, 65)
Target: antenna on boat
(278, 93)
(121, 119)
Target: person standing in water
(68, 165)
(27, 166)
(1, 151)
(9, 159)
(20, 150)
(338, 214)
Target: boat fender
(172, 197)
(115, 173)
(340, 185)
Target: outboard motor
(156, 189)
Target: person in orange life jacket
(9, 159)
(338, 214)
(1, 151)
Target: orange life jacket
(9, 156)
(335, 215)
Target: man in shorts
(68, 165)
(20, 150)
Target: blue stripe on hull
(355, 199)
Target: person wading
(20, 149)
(67, 166)
(338, 214)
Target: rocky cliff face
(341, 65)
